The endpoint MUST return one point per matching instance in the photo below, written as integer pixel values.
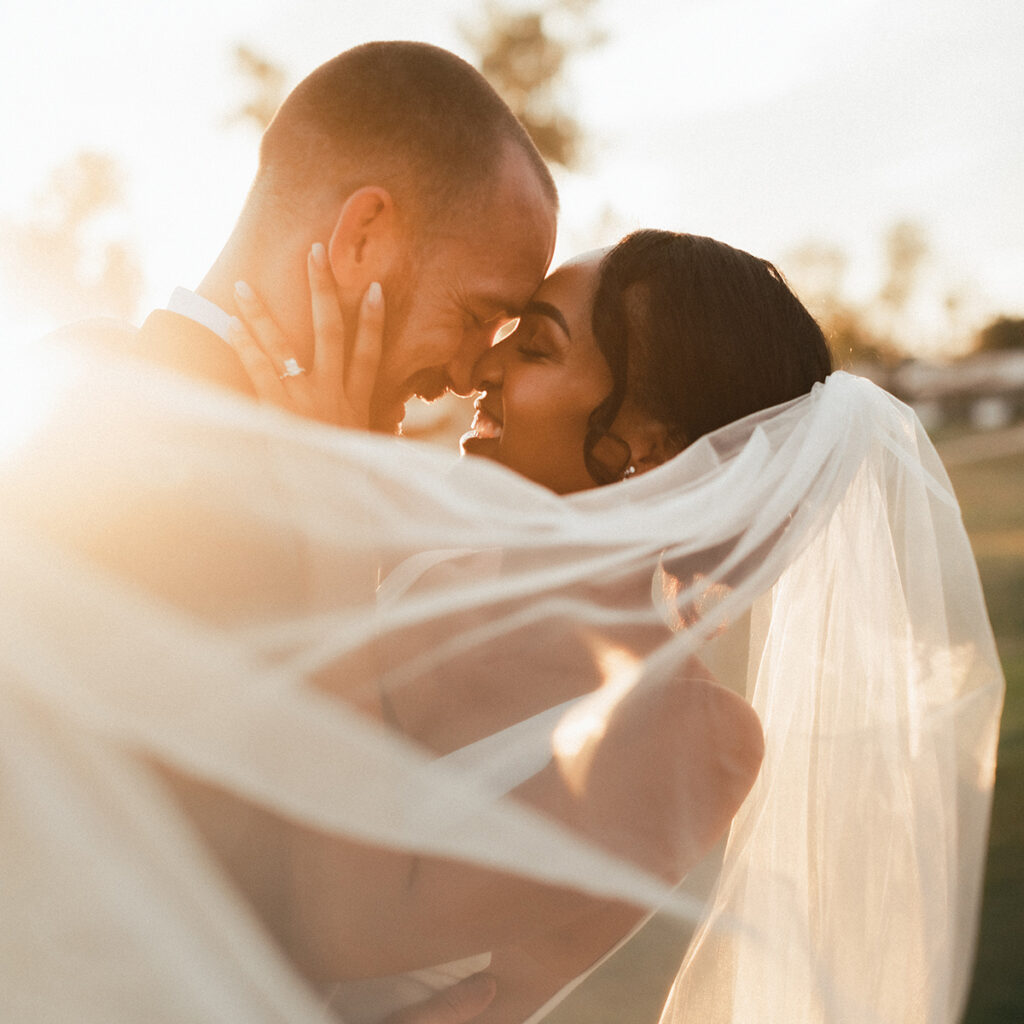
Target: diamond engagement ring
(292, 369)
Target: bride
(621, 361)
(540, 725)
(552, 409)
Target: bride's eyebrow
(539, 308)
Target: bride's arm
(357, 910)
(659, 787)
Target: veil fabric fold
(372, 640)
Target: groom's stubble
(401, 335)
(389, 393)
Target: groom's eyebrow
(539, 308)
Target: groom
(410, 169)
(403, 162)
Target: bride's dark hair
(697, 334)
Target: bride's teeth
(485, 427)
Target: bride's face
(541, 383)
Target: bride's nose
(488, 370)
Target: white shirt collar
(205, 313)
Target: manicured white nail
(319, 254)
(374, 295)
(243, 291)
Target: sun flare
(28, 397)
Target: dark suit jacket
(177, 343)
(209, 523)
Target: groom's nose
(475, 345)
(487, 372)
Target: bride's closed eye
(531, 343)
(532, 354)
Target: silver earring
(630, 471)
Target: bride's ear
(657, 446)
(650, 441)
(363, 246)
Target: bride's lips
(485, 424)
(484, 431)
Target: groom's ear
(363, 246)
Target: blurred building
(984, 391)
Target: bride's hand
(328, 391)
(459, 1004)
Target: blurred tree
(854, 343)
(817, 271)
(1001, 334)
(266, 83)
(62, 257)
(906, 249)
(523, 53)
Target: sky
(765, 124)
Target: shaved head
(407, 116)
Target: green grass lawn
(992, 495)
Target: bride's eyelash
(530, 351)
(532, 355)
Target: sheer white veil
(371, 640)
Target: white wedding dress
(189, 582)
